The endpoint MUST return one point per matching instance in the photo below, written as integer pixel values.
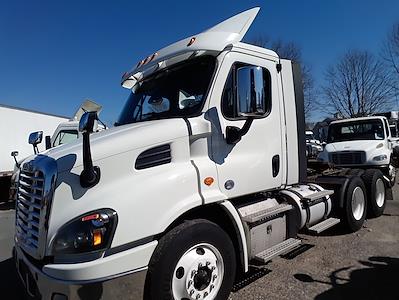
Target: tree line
(358, 84)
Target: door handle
(276, 165)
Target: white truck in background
(313, 146)
(67, 132)
(19, 138)
(362, 143)
(204, 174)
(15, 126)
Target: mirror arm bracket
(247, 125)
(234, 134)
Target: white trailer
(15, 126)
(204, 175)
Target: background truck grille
(35, 191)
(348, 158)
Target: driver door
(256, 162)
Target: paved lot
(363, 265)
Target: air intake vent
(154, 157)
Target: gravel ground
(363, 265)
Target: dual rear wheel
(364, 195)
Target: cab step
(267, 213)
(320, 227)
(281, 248)
(318, 195)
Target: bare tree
(291, 51)
(390, 54)
(358, 85)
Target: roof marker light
(192, 40)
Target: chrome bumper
(128, 285)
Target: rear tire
(376, 193)
(194, 259)
(355, 203)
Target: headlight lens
(380, 157)
(90, 232)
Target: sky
(54, 54)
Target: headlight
(90, 232)
(380, 157)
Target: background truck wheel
(375, 187)
(195, 260)
(354, 210)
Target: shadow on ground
(379, 280)
(11, 287)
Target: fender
(235, 217)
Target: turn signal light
(97, 237)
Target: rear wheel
(354, 210)
(195, 260)
(375, 187)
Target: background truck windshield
(179, 91)
(358, 130)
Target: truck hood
(363, 145)
(118, 140)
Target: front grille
(28, 210)
(348, 158)
(35, 190)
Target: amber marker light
(97, 237)
(208, 181)
(192, 40)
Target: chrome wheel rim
(198, 273)
(379, 192)
(358, 203)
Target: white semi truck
(362, 143)
(15, 125)
(204, 174)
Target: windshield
(359, 130)
(175, 92)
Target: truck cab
(203, 174)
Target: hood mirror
(87, 122)
(90, 175)
(35, 138)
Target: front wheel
(354, 210)
(195, 260)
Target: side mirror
(35, 138)
(87, 122)
(15, 154)
(251, 98)
(47, 139)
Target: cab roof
(212, 41)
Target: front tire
(354, 210)
(376, 196)
(195, 260)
